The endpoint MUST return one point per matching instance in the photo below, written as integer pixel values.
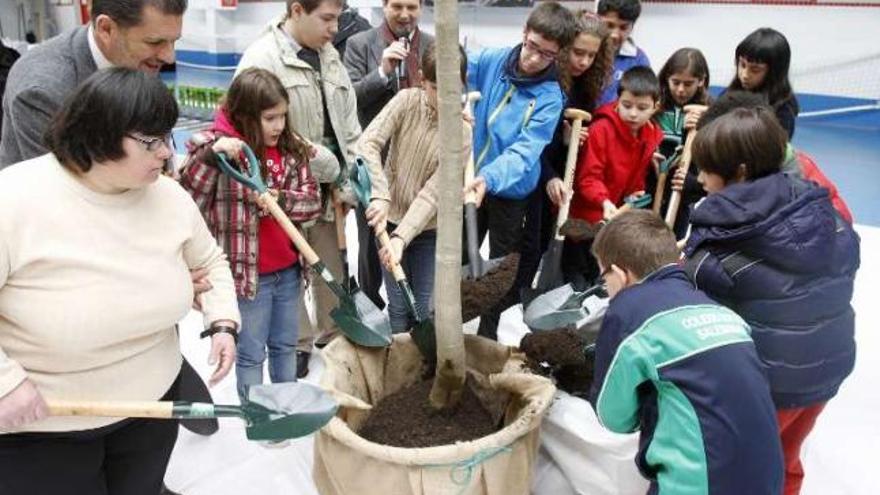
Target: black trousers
(503, 220)
(126, 458)
(369, 270)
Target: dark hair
(428, 63)
(252, 92)
(767, 46)
(628, 10)
(129, 13)
(751, 137)
(552, 21)
(310, 5)
(584, 91)
(640, 81)
(735, 98)
(638, 241)
(684, 60)
(105, 108)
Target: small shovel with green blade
(274, 412)
(357, 316)
(423, 332)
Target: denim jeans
(418, 265)
(269, 321)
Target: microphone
(400, 70)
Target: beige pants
(322, 237)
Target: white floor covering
(837, 456)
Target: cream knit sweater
(92, 285)
(408, 180)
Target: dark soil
(560, 354)
(579, 230)
(480, 295)
(406, 419)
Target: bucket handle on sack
(463, 471)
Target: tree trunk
(450, 374)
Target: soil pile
(560, 354)
(480, 295)
(406, 419)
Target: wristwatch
(220, 329)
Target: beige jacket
(273, 51)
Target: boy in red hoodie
(613, 164)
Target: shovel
(549, 274)
(663, 173)
(579, 230)
(423, 332)
(564, 306)
(685, 164)
(484, 282)
(357, 316)
(277, 411)
(341, 242)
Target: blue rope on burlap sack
(463, 471)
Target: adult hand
(391, 255)
(377, 215)
(692, 115)
(557, 191)
(201, 284)
(392, 55)
(229, 146)
(21, 406)
(608, 210)
(477, 185)
(222, 355)
(678, 179)
(566, 133)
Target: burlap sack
(499, 464)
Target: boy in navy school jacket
(682, 369)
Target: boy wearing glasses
(682, 369)
(513, 122)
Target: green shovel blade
(280, 413)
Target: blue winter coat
(515, 119)
(775, 251)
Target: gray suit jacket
(38, 84)
(363, 56)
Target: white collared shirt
(100, 60)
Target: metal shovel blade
(286, 410)
(361, 321)
(559, 308)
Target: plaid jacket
(233, 216)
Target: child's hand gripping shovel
(663, 173)
(483, 282)
(357, 316)
(549, 274)
(423, 332)
(565, 306)
(271, 412)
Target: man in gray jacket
(381, 62)
(138, 34)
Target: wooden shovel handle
(577, 117)
(396, 269)
(685, 164)
(112, 409)
(339, 211)
(658, 192)
(295, 235)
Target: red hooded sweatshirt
(613, 164)
(276, 250)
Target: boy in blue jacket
(682, 369)
(620, 18)
(513, 121)
(771, 247)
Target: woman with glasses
(96, 248)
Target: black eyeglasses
(153, 143)
(604, 274)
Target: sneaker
(302, 363)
